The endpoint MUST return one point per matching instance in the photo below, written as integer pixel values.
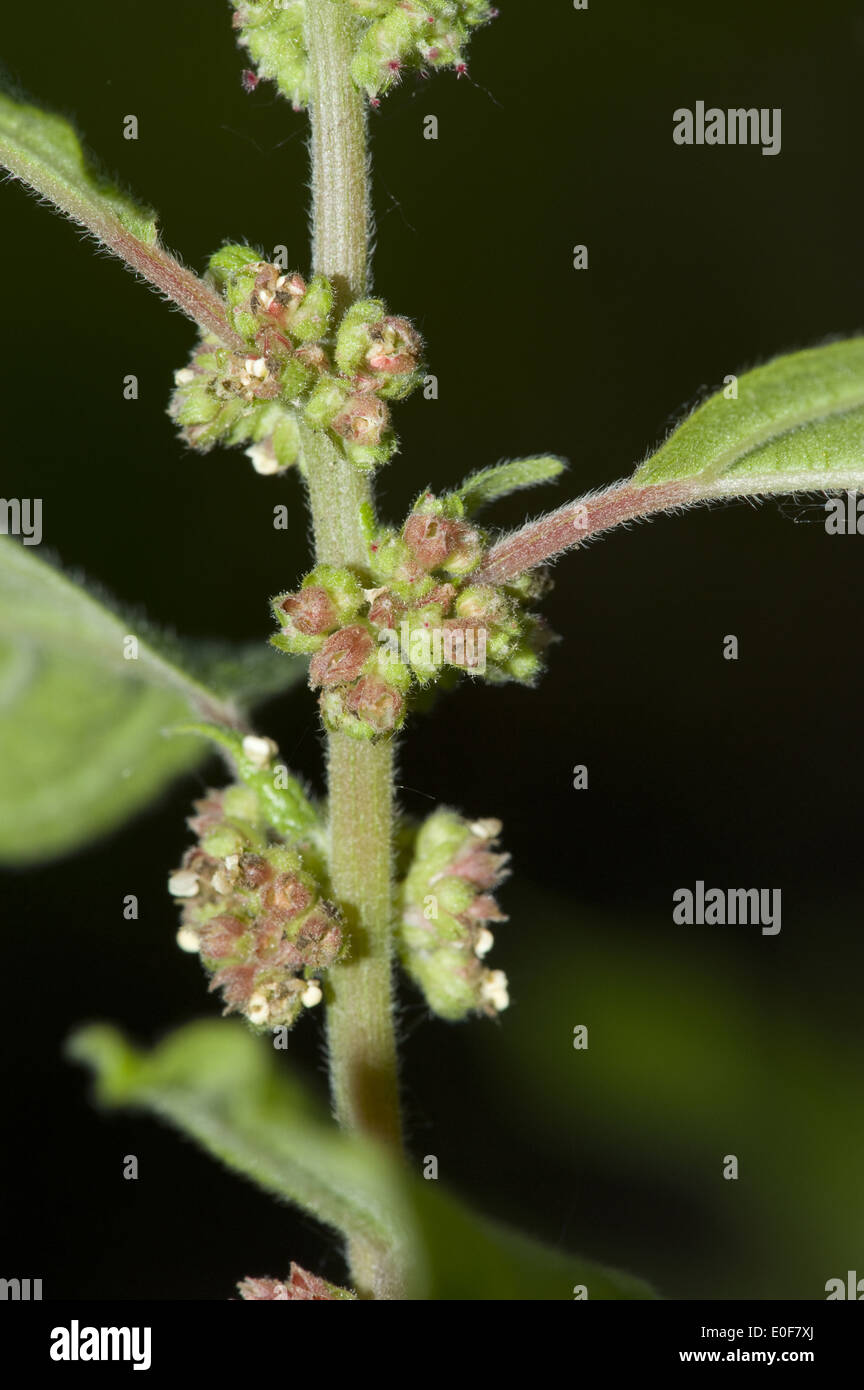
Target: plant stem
(361, 1038)
(576, 522)
(340, 164)
(359, 1014)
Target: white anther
(257, 1010)
(493, 991)
(183, 884)
(484, 943)
(184, 377)
(187, 940)
(222, 882)
(265, 298)
(488, 829)
(311, 995)
(259, 751)
(255, 366)
(263, 459)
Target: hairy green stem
(359, 1015)
(340, 164)
(360, 1031)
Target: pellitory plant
(298, 904)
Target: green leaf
(225, 1087)
(43, 151)
(220, 1084)
(81, 726)
(796, 423)
(471, 1257)
(504, 478)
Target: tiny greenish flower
(272, 32)
(379, 348)
(394, 36)
(328, 597)
(253, 889)
(375, 650)
(251, 909)
(446, 905)
(411, 35)
(286, 378)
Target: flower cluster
(394, 35)
(418, 34)
(446, 905)
(300, 1285)
(252, 911)
(415, 618)
(293, 371)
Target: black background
(702, 261)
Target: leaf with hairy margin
(82, 743)
(43, 151)
(226, 1088)
(795, 425)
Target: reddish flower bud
(313, 356)
(209, 813)
(220, 936)
(377, 703)
(289, 897)
(270, 946)
(430, 538)
(469, 651)
(254, 871)
(342, 656)
(362, 420)
(386, 610)
(395, 346)
(312, 611)
(299, 1286)
(485, 909)
(264, 289)
(290, 288)
(479, 866)
(262, 1289)
(443, 594)
(317, 924)
(481, 603)
(439, 542)
(237, 983)
(320, 938)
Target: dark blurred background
(703, 1041)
